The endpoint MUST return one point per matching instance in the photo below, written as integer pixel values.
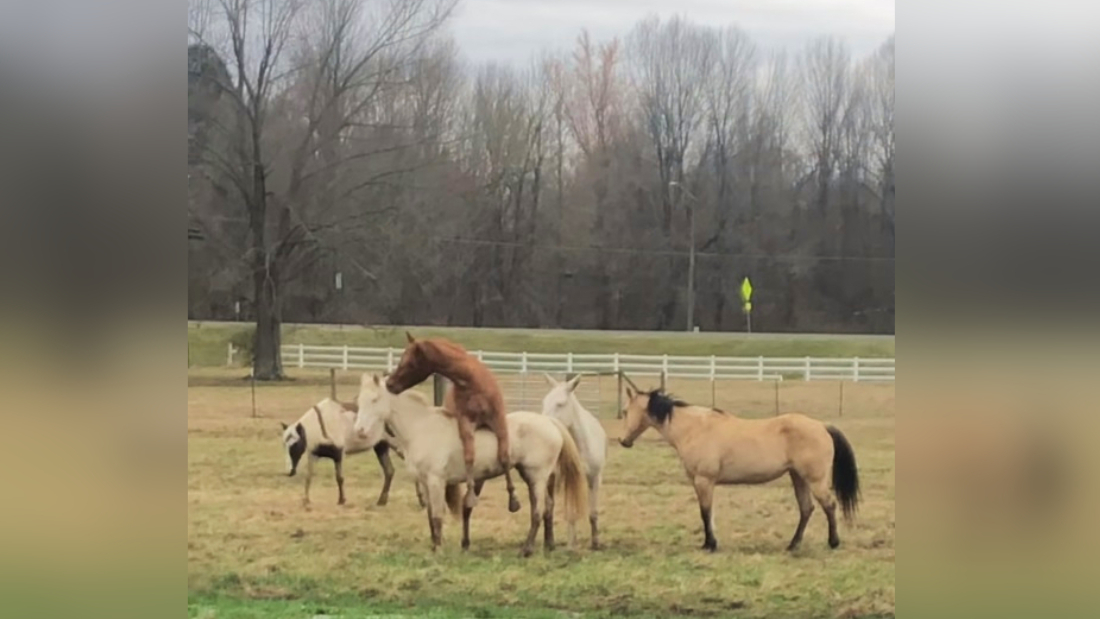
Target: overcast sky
(515, 30)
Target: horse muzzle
(625, 443)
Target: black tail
(845, 475)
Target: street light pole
(691, 255)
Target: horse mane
(418, 397)
(439, 351)
(661, 405)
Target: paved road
(585, 332)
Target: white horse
(561, 403)
(541, 449)
(327, 430)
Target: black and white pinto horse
(327, 430)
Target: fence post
(523, 363)
(664, 367)
(389, 359)
(480, 356)
(807, 378)
(332, 383)
(345, 356)
(713, 381)
(760, 368)
(229, 355)
(619, 393)
(568, 364)
(301, 355)
(437, 389)
(855, 369)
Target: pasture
(253, 551)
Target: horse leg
(593, 508)
(466, 433)
(421, 494)
(310, 461)
(499, 427)
(548, 516)
(435, 489)
(466, 513)
(382, 450)
(704, 490)
(824, 496)
(338, 464)
(535, 488)
(805, 508)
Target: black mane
(660, 405)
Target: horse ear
(550, 380)
(572, 385)
(630, 393)
(284, 426)
(409, 336)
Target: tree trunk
(267, 363)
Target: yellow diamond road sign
(746, 290)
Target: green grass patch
(207, 342)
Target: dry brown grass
(249, 539)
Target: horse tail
(845, 474)
(571, 481)
(453, 496)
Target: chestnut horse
(474, 399)
(718, 448)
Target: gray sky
(513, 31)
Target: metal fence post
(437, 389)
(619, 393)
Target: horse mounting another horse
(475, 399)
(718, 448)
(327, 431)
(542, 449)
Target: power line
(664, 252)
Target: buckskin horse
(718, 448)
(474, 399)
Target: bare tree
(304, 77)
(825, 69)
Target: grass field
(254, 552)
(207, 341)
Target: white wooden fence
(671, 366)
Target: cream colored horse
(719, 448)
(562, 404)
(540, 448)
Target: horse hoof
(513, 504)
(597, 546)
(833, 543)
(526, 552)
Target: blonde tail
(571, 483)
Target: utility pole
(691, 254)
